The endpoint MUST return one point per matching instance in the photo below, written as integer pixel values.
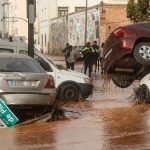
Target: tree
(131, 10)
(142, 6)
(137, 12)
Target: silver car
(24, 82)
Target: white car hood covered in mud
(74, 73)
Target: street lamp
(86, 8)
(16, 18)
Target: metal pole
(85, 38)
(30, 11)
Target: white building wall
(47, 11)
(4, 23)
(14, 26)
(1, 15)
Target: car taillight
(119, 33)
(50, 83)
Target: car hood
(74, 73)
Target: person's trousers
(70, 65)
(87, 65)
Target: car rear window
(20, 65)
(147, 26)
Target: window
(45, 40)
(42, 40)
(79, 8)
(62, 11)
(19, 65)
(6, 50)
(146, 25)
(43, 63)
(23, 52)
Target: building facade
(59, 8)
(18, 25)
(14, 22)
(4, 22)
(71, 29)
(65, 7)
(101, 21)
(47, 10)
(112, 16)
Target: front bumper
(28, 98)
(85, 89)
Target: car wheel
(143, 93)
(122, 80)
(142, 53)
(69, 92)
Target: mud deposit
(108, 120)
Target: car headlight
(88, 80)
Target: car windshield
(19, 65)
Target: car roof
(13, 55)
(136, 24)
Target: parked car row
(24, 82)
(38, 81)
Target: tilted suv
(127, 53)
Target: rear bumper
(116, 52)
(85, 89)
(28, 98)
(115, 55)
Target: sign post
(7, 118)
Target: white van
(71, 85)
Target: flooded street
(108, 120)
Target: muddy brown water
(108, 121)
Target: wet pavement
(109, 120)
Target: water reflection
(127, 127)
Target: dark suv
(127, 54)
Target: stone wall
(112, 17)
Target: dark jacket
(88, 53)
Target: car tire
(142, 53)
(143, 93)
(69, 92)
(122, 80)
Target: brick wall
(112, 16)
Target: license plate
(18, 83)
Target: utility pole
(86, 8)
(31, 15)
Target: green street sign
(7, 118)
